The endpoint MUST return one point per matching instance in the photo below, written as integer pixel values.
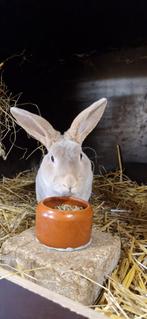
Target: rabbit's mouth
(67, 194)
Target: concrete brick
(60, 271)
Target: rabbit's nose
(69, 182)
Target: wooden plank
(22, 299)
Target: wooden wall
(120, 76)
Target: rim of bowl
(78, 201)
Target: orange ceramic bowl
(63, 229)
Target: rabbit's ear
(86, 121)
(36, 126)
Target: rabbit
(65, 170)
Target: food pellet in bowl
(68, 207)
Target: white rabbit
(65, 170)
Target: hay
(7, 122)
(17, 202)
(8, 126)
(124, 212)
(120, 207)
(66, 207)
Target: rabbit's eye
(81, 155)
(52, 158)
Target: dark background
(57, 29)
(54, 48)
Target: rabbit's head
(65, 170)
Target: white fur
(65, 170)
(68, 175)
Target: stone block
(65, 272)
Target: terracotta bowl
(63, 229)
